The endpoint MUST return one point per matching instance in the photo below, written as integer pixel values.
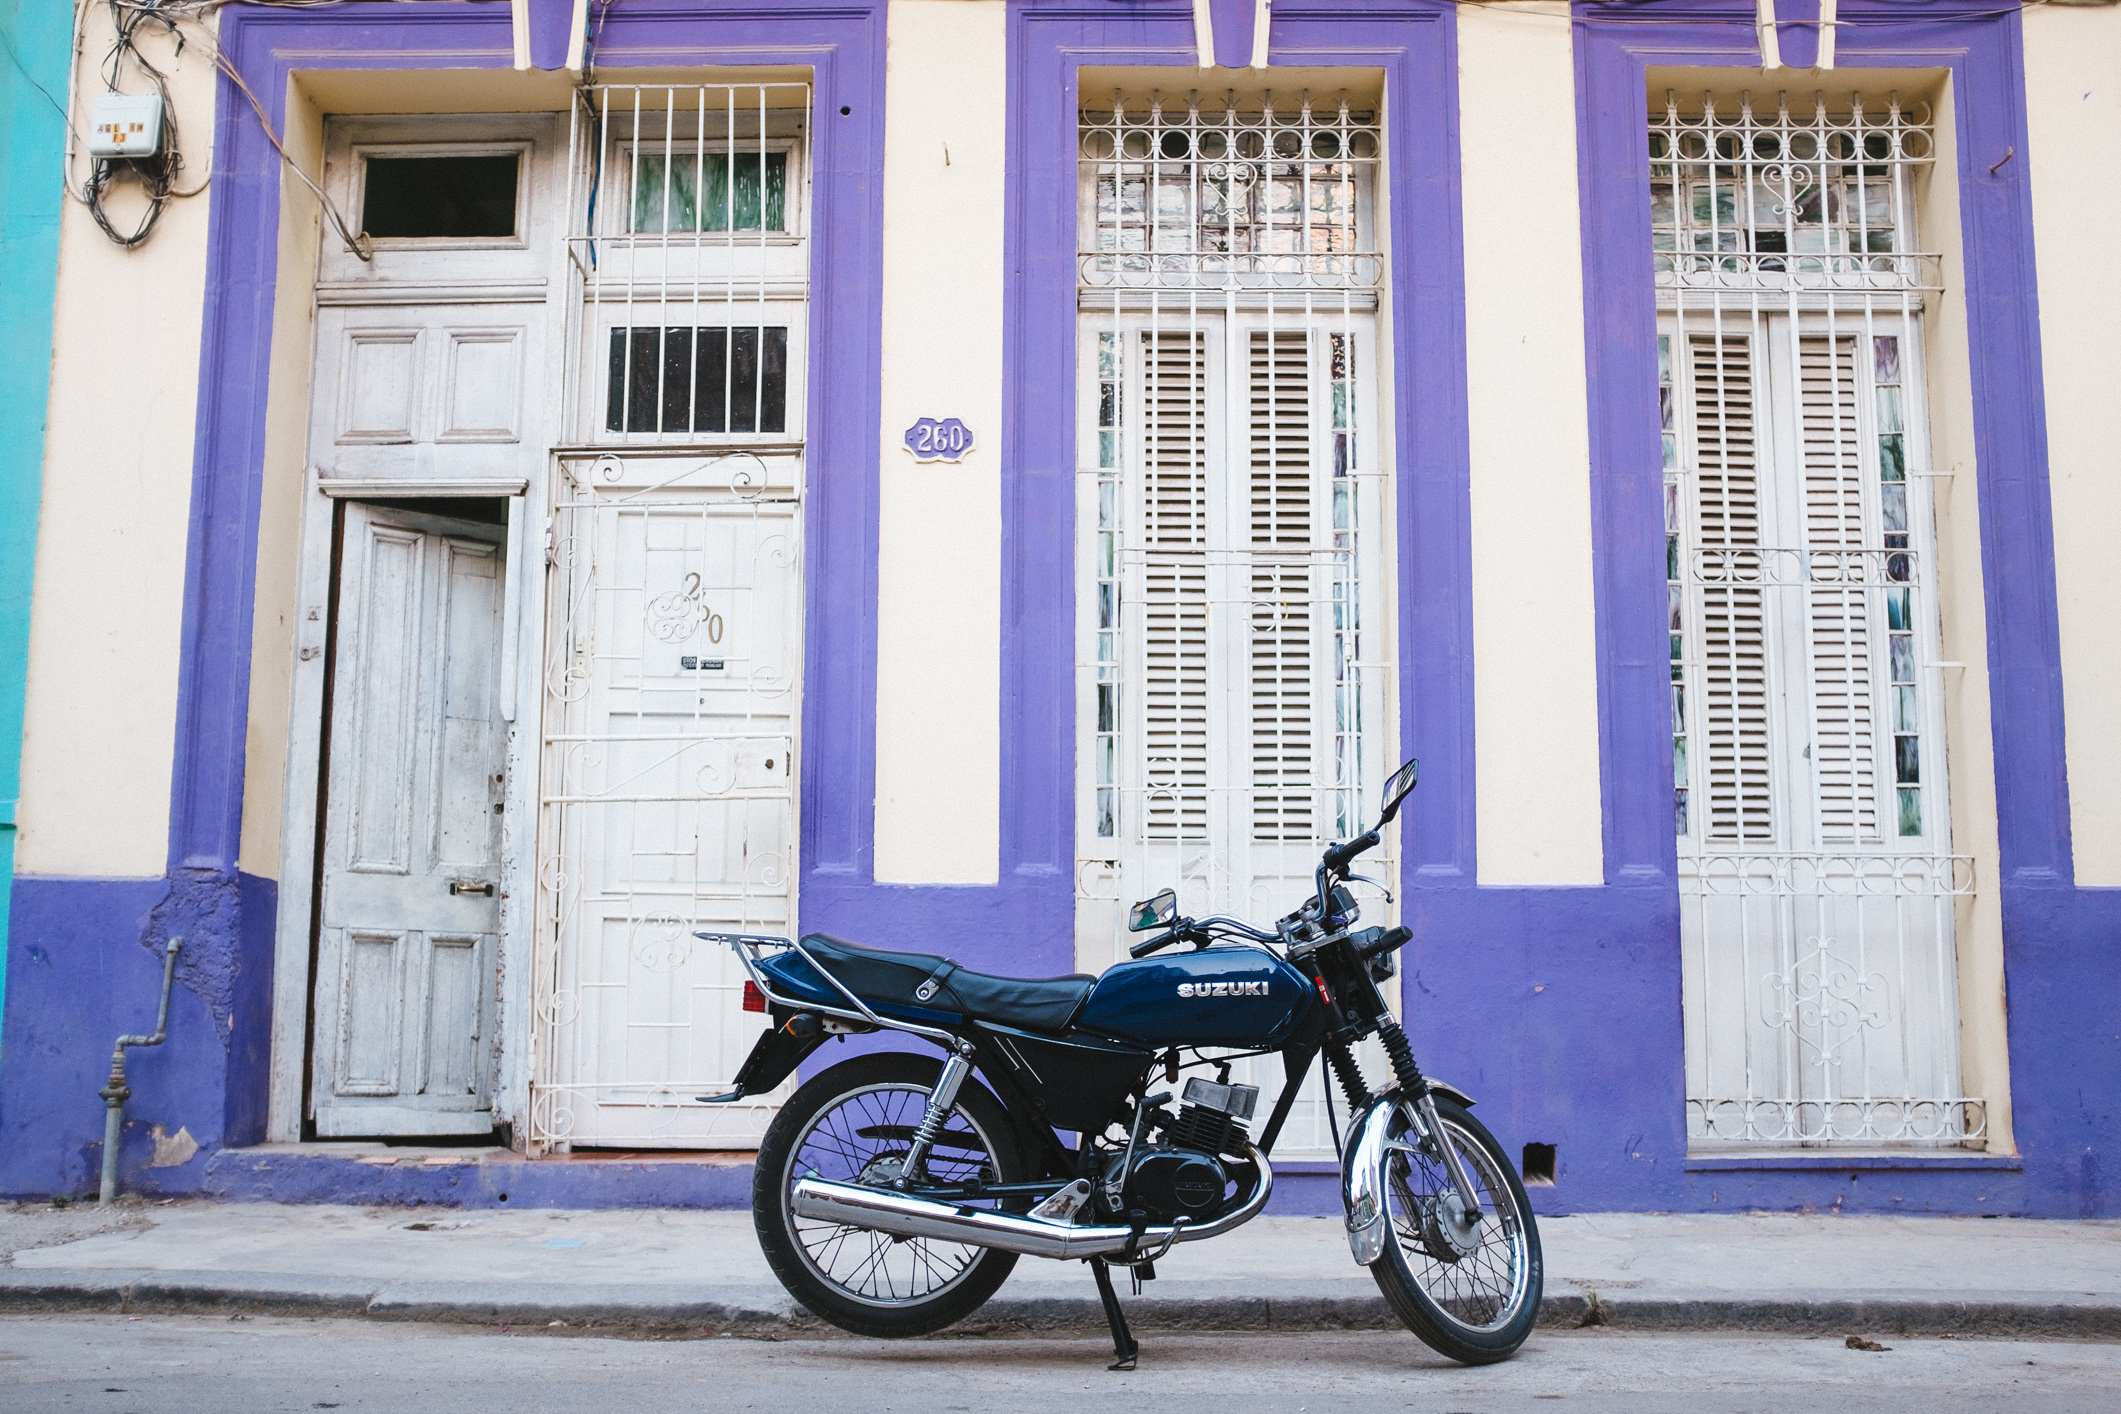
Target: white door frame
(523, 617)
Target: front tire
(1470, 1293)
(848, 1124)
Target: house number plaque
(938, 440)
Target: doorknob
(465, 886)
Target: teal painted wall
(32, 175)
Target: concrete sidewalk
(691, 1273)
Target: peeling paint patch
(204, 908)
(172, 1150)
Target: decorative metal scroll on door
(1235, 696)
(674, 612)
(1820, 899)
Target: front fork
(1369, 1139)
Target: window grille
(687, 237)
(1234, 501)
(1820, 892)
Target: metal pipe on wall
(115, 1092)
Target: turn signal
(754, 999)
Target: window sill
(1827, 1159)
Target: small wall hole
(1538, 1167)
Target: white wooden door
(1818, 890)
(405, 987)
(1232, 634)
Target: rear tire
(1475, 1306)
(846, 1125)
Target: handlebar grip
(1341, 855)
(1384, 940)
(1149, 945)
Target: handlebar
(1340, 856)
(1201, 932)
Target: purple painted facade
(1559, 1007)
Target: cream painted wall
(2073, 127)
(273, 609)
(100, 719)
(938, 696)
(1984, 1053)
(1535, 680)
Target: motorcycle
(895, 1192)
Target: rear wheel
(854, 1124)
(1470, 1290)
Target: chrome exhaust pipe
(900, 1215)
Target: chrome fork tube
(940, 1101)
(1453, 1162)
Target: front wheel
(1470, 1290)
(854, 1124)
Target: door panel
(406, 974)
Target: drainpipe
(116, 1092)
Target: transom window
(688, 239)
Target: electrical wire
(157, 172)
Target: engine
(1181, 1173)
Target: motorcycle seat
(880, 975)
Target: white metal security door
(1234, 700)
(674, 611)
(1819, 892)
(668, 784)
(406, 951)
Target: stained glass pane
(1907, 760)
(1892, 457)
(1910, 812)
(1889, 410)
(1885, 355)
(1892, 505)
(1899, 610)
(1903, 658)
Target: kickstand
(1123, 1346)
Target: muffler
(901, 1215)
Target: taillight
(754, 999)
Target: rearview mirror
(1398, 788)
(1153, 912)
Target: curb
(696, 1312)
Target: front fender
(1363, 1164)
(1361, 1172)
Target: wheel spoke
(843, 1143)
(1485, 1288)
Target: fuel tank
(1219, 996)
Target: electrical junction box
(126, 125)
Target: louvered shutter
(1732, 616)
(1174, 545)
(1282, 687)
(1838, 625)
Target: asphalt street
(145, 1365)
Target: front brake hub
(1447, 1230)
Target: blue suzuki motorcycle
(895, 1192)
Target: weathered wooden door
(405, 988)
